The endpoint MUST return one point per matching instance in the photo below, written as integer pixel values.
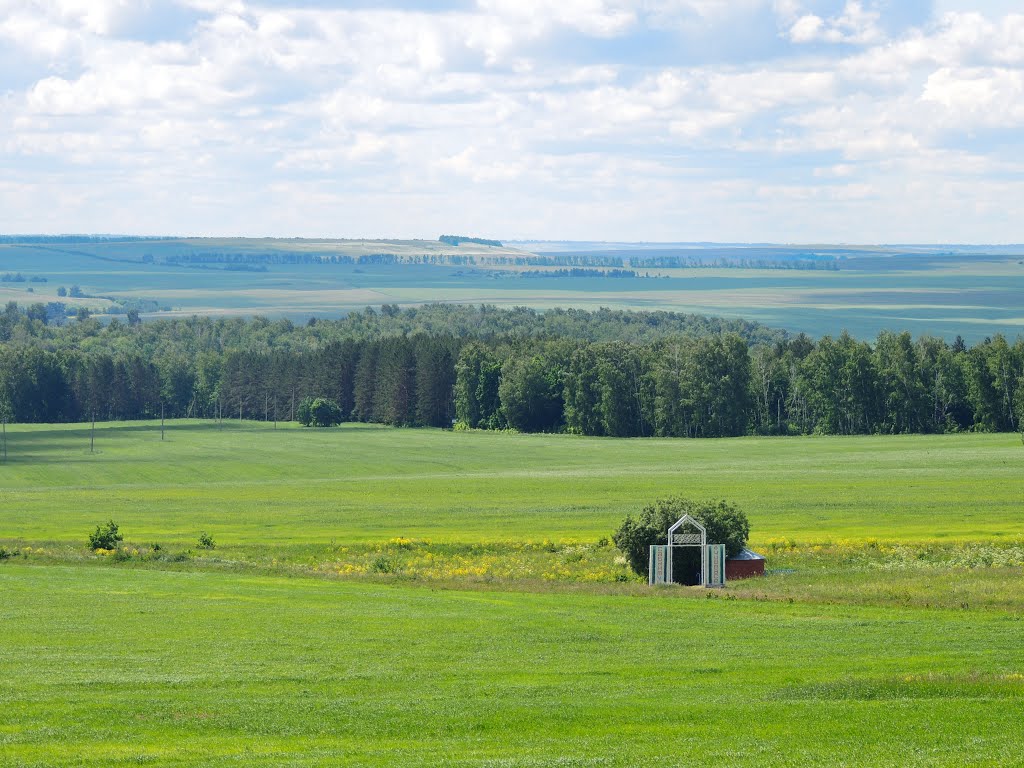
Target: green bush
(206, 541)
(304, 413)
(384, 564)
(319, 412)
(725, 524)
(105, 536)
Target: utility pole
(92, 434)
(266, 406)
(239, 413)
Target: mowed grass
(111, 666)
(251, 485)
(858, 657)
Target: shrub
(6, 553)
(326, 413)
(725, 524)
(105, 536)
(319, 412)
(206, 541)
(304, 413)
(384, 564)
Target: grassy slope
(250, 485)
(117, 666)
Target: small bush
(305, 412)
(206, 541)
(105, 537)
(384, 564)
(6, 553)
(319, 412)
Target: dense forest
(608, 372)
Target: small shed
(744, 565)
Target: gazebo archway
(688, 532)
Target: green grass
(126, 667)
(250, 485)
(887, 635)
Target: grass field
(888, 632)
(123, 667)
(249, 484)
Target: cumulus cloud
(856, 24)
(585, 118)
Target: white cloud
(978, 96)
(856, 24)
(521, 118)
(602, 18)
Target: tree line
(388, 367)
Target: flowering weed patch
(486, 562)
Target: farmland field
(971, 293)
(360, 608)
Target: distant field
(251, 485)
(974, 293)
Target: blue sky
(675, 120)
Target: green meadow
(420, 597)
(115, 666)
(249, 484)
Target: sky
(790, 121)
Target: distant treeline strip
(697, 385)
(385, 259)
(577, 260)
(459, 240)
(677, 262)
(579, 272)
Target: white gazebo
(687, 532)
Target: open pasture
(128, 667)
(250, 485)
(852, 653)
